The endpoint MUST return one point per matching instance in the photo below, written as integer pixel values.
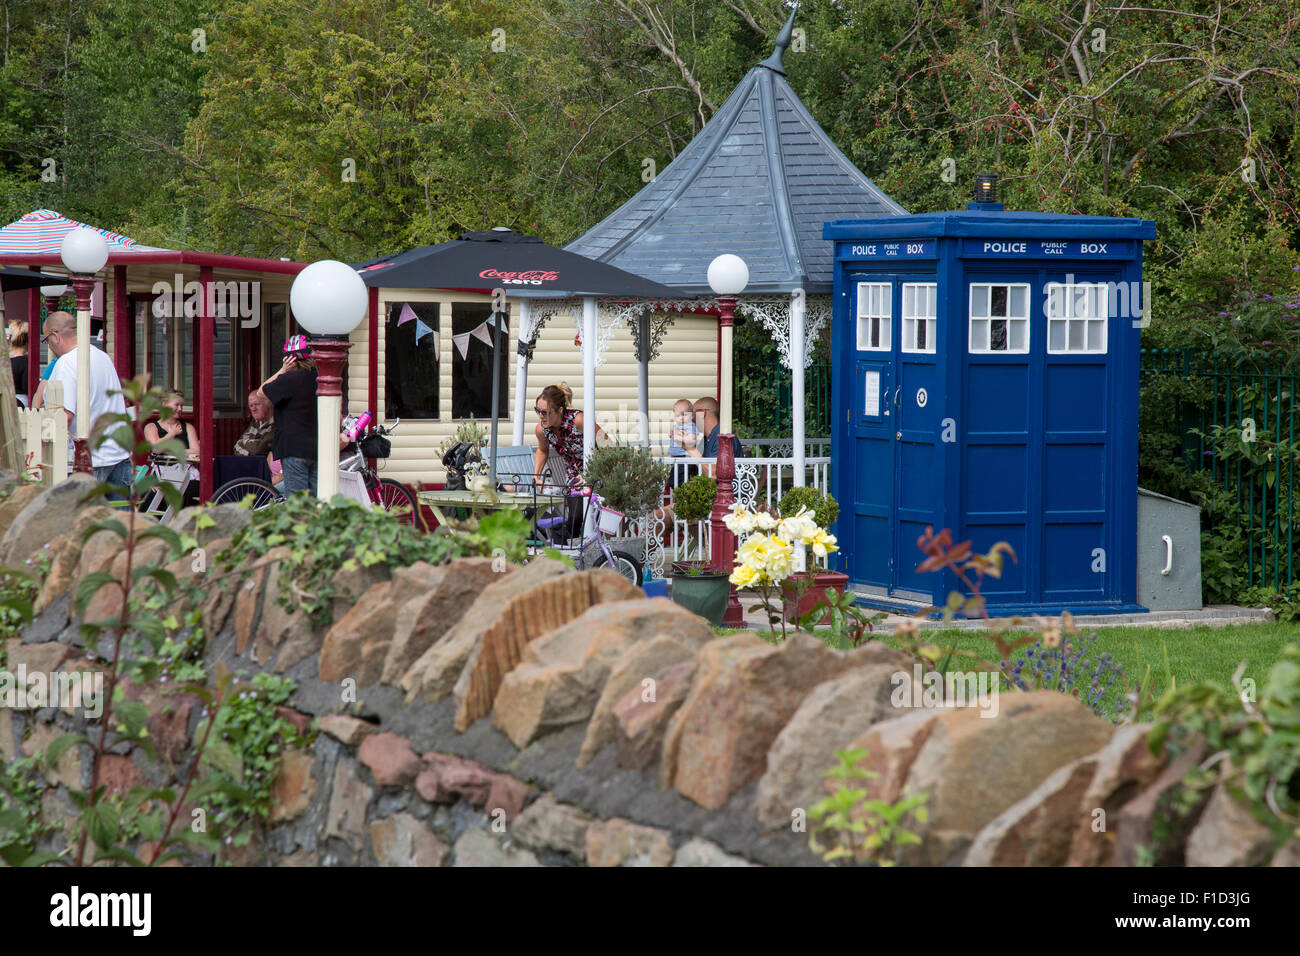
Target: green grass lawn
(1183, 655)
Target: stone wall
(536, 716)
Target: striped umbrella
(44, 229)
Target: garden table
(484, 501)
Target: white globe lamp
(329, 300)
(84, 252)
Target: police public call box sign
(985, 381)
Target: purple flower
(1224, 314)
(1267, 297)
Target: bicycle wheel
(233, 492)
(624, 564)
(392, 494)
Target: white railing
(758, 481)
(44, 434)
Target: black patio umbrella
(13, 278)
(504, 259)
(525, 266)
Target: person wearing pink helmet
(292, 393)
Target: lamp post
(329, 300)
(52, 295)
(728, 276)
(84, 252)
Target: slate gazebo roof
(759, 181)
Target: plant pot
(704, 594)
(822, 581)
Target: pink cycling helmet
(296, 345)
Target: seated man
(706, 416)
(256, 439)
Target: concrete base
(1212, 616)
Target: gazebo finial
(773, 62)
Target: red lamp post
(728, 275)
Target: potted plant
(810, 585)
(630, 481)
(701, 587)
(693, 501)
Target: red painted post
(372, 369)
(204, 404)
(123, 336)
(33, 341)
(722, 543)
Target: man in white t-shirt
(111, 462)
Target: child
(684, 432)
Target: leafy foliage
(251, 738)
(693, 499)
(324, 538)
(852, 828)
(1253, 740)
(824, 507)
(629, 480)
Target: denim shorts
(299, 475)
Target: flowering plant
(766, 555)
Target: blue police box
(986, 380)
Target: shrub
(693, 500)
(1068, 666)
(630, 480)
(825, 508)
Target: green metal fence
(1236, 416)
(763, 391)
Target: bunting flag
(482, 334)
(421, 330)
(407, 315)
(462, 344)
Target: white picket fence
(44, 438)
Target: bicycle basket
(375, 446)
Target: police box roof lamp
(986, 187)
(986, 193)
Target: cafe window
(471, 362)
(164, 347)
(411, 340)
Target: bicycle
(592, 551)
(386, 493)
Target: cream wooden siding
(686, 368)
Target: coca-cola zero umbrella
(504, 259)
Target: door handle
(1169, 553)
(897, 391)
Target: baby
(684, 431)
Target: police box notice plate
(891, 249)
(1048, 249)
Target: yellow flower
(753, 550)
(823, 543)
(744, 576)
(780, 560)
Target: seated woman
(182, 431)
(560, 427)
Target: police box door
(895, 474)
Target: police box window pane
(411, 360)
(918, 316)
(874, 315)
(471, 374)
(999, 317)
